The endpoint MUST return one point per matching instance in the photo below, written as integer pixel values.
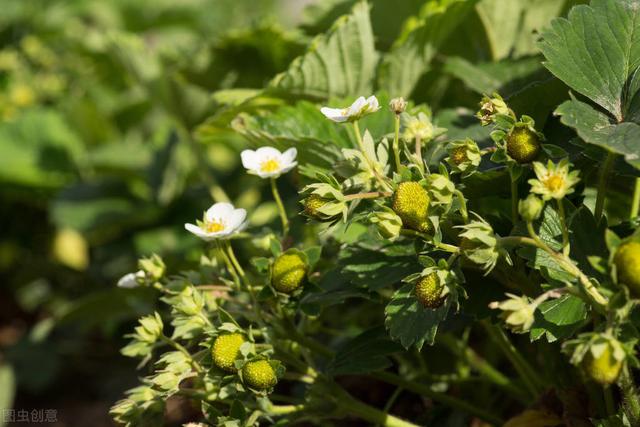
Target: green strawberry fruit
(225, 351)
(312, 204)
(603, 369)
(627, 260)
(259, 375)
(523, 144)
(411, 203)
(288, 273)
(429, 291)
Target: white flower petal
(237, 219)
(335, 114)
(219, 211)
(197, 231)
(266, 153)
(130, 280)
(288, 167)
(373, 104)
(249, 159)
(289, 156)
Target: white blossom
(267, 162)
(220, 221)
(360, 108)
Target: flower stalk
(281, 210)
(602, 184)
(635, 203)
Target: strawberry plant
(459, 237)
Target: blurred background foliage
(120, 120)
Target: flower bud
(530, 208)
(150, 328)
(604, 359)
(259, 375)
(441, 189)
(288, 272)
(428, 291)
(411, 203)
(480, 245)
(388, 223)
(226, 350)
(518, 313)
(490, 107)
(627, 261)
(523, 144)
(464, 156)
(153, 266)
(398, 105)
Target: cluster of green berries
(428, 291)
(411, 204)
(288, 272)
(257, 374)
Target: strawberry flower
(221, 221)
(360, 108)
(267, 162)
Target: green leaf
(376, 268)
(512, 26)
(490, 77)
(7, 390)
(363, 354)
(559, 318)
(409, 322)
(38, 149)
(596, 51)
(340, 63)
(411, 54)
(596, 128)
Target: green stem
(635, 204)
(598, 300)
(394, 396)
(281, 209)
(609, 401)
(350, 404)
(463, 206)
(602, 184)
(526, 372)
(370, 195)
(228, 263)
(514, 197)
(285, 409)
(565, 231)
(396, 143)
(181, 349)
(356, 129)
(631, 397)
(252, 294)
(419, 153)
(482, 366)
(443, 398)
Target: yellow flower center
(270, 165)
(214, 226)
(554, 182)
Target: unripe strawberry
(259, 375)
(603, 369)
(411, 203)
(429, 291)
(312, 204)
(288, 273)
(627, 260)
(226, 350)
(523, 144)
